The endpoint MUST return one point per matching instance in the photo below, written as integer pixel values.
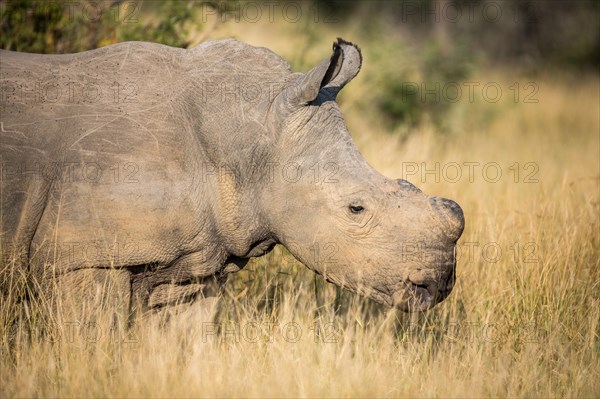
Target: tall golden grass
(522, 321)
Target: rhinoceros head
(380, 237)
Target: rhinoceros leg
(90, 304)
(20, 217)
(191, 308)
(186, 293)
(185, 315)
(192, 321)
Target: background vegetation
(523, 320)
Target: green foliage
(55, 27)
(408, 101)
(170, 28)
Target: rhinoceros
(164, 170)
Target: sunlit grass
(522, 321)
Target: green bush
(408, 101)
(54, 27)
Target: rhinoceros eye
(356, 209)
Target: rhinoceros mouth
(421, 296)
(411, 296)
(416, 297)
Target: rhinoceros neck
(231, 88)
(239, 220)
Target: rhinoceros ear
(327, 78)
(344, 66)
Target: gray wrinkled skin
(192, 161)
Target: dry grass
(520, 323)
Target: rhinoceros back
(89, 142)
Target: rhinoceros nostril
(450, 216)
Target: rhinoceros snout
(450, 215)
